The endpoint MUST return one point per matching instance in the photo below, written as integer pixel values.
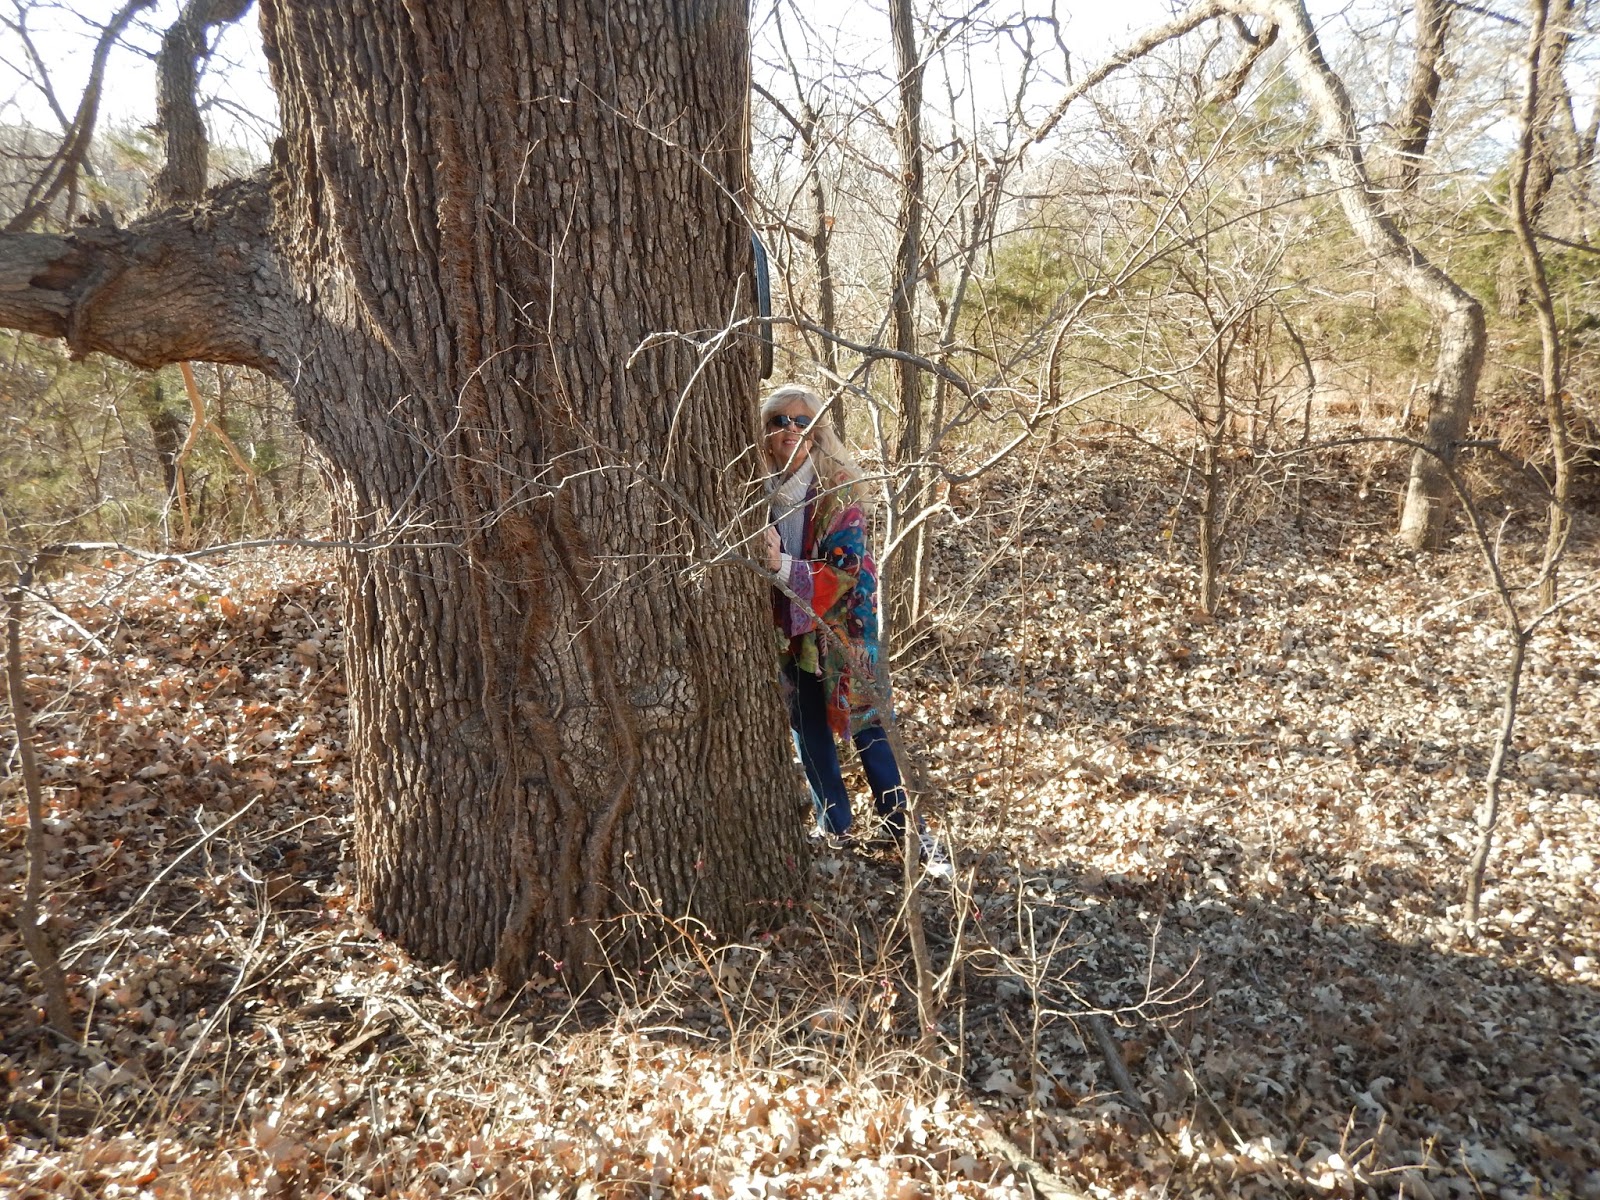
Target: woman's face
(786, 443)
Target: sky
(243, 110)
(843, 43)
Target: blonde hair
(835, 465)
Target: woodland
(396, 794)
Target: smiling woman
(825, 604)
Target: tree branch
(1186, 21)
(62, 170)
(200, 282)
(1255, 45)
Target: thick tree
(491, 260)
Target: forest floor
(1243, 839)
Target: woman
(826, 608)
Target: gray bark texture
(475, 216)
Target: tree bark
(1213, 426)
(1451, 397)
(1227, 89)
(203, 283)
(1489, 807)
(477, 216)
(165, 435)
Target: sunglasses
(784, 421)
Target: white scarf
(788, 500)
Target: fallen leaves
(1242, 838)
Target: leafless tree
(1523, 215)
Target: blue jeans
(819, 754)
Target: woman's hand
(773, 549)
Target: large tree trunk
(477, 216)
(552, 727)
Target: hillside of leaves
(1241, 839)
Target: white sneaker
(934, 859)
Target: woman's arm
(825, 583)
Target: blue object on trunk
(763, 303)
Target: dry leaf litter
(1241, 839)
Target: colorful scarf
(830, 627)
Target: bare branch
(1255, 45)
(1191, 19)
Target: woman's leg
(819, 753)
(883, 776)
(889, 798)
